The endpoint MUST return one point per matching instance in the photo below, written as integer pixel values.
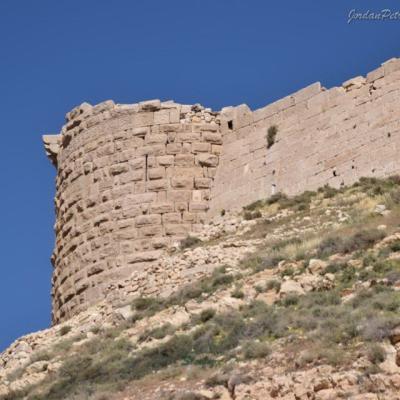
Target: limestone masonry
(133, 180)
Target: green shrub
(237, 293)
(268, 262)
(360, 240)
(220, 278)
(254, 206)
(146, 307)
(395, 246)
(290, 300)
(187, 396)
(146, 304)
(273, 285)
(206, 315)
(394, 196)
(376, 353)
(256, 349)
(300, 202)
(276, 198)
(318, 299)
(271, 135)
(369, 259)
(334, 267)
(158, 333)
(348, 276)
(260, 288)
(206, 285)
(41, 356)
(377, 328)
(96, 330)
(288, 271)
(190, 242)
(64, 330)
(393, 277)
(250, 215)
(328, 191)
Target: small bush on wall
(271, 135)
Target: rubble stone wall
(324, 136)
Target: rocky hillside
(298, 298)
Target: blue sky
(56, 54)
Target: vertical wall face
(324, 137)
(131, 181)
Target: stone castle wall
(324, 136)
(132, 179)
(135, 179)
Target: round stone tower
(131, 181)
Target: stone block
(174, 116)
(131, 212)
(156, 139)
(200, 147)
(160, 242)
(165, 161)
(140, 132)
(96, 268)
(161, 117)
(195, 207)
(161, 196)
(149, 231)
(140, 198)
(157, 185)
(182, 182)
(202, 183)
(391, 65)
(177, 229)
(215, 138)
(161, 208)
(307, 92)
(354, 83)
(150, 105)
(188, 137)
(170, 128)
(174, 148)
(207, 160)
(118, 169)
(181, 206)
(133, 176)
(186, 148)
(216, 149)
(151, 219)
(179, 195)
(137, 163)
(211, 127)
(156, 173)
(184, 160)
(197, 196)
(375, 74)
(172, 218)
(243, 116)
(152, 150)
(145, 256)
(189, 217)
